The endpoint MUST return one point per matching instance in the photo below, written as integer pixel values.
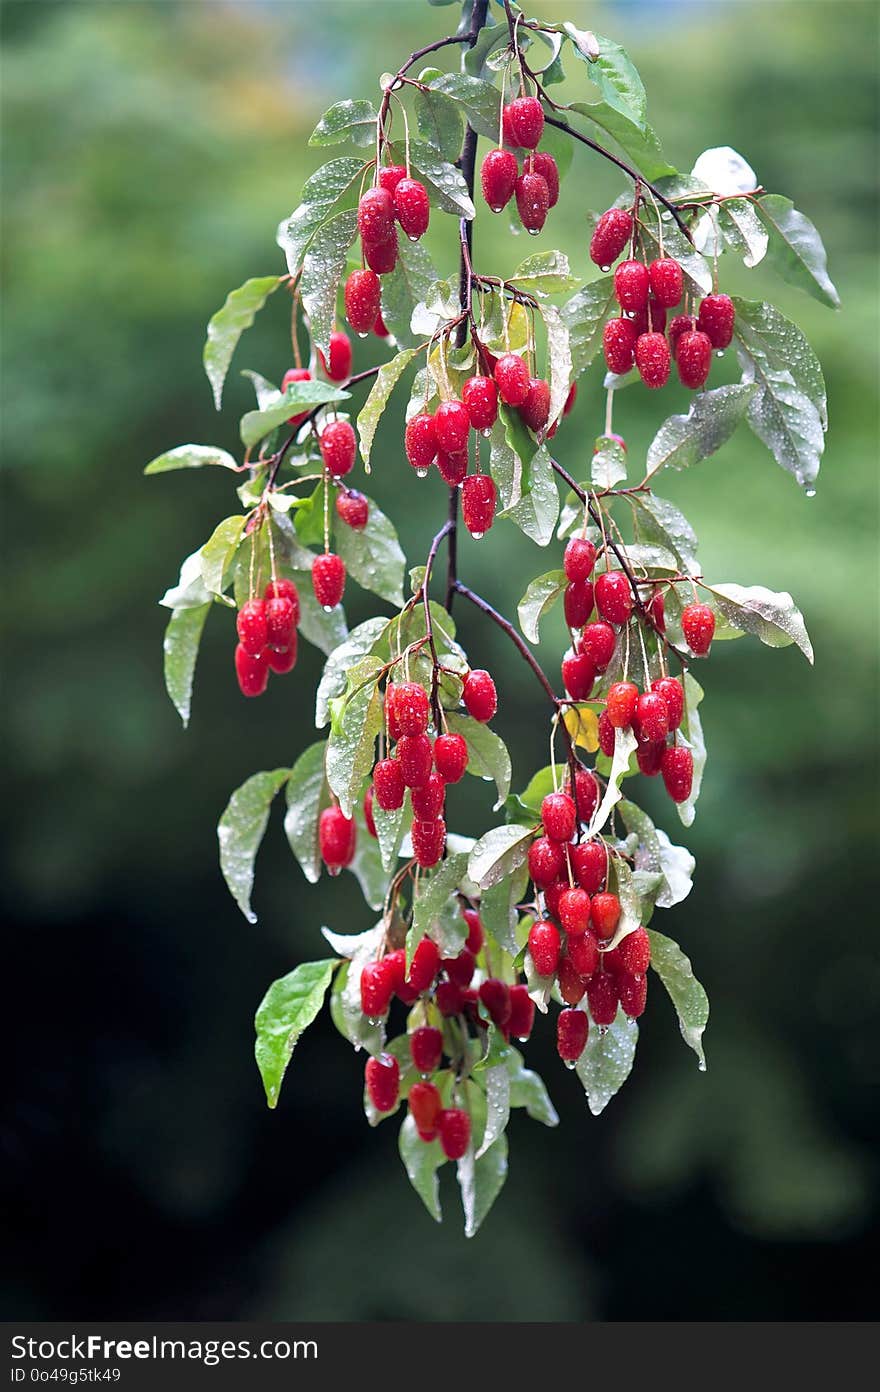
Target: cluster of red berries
(653, 716)
(611, 596)
(645, 293)
(267, 638)
(444, 438)
(396, 198)
(536, 187)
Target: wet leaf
(373, 557)
(687, 995)
(770, 615)
(229, 323)
(349, 120)
(240, 831)
(713, 417)
(585, 315)
(607, 1061)
(330, 189)
(181, 649)
(795, 249)
(288, 1007)
(497, 854)
(488, 757)
(388, 376)
(421, 1161)
(538, 600)
(307, 796)
(190, 457)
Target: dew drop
(363, 335)
(533, 231)
(666, 215)
(421, 473)
(809, 492)
(412, 236)
(701, 1066)
(374, 1021)
(604, 269)
(486, 434)
(603, 1030)
(570, 1064)
(328, 609)
(719, 352)
(477, 535)
(333, 870)
(630, 314)
(496, 208)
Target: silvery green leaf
(770, 615)
(388, 376)
(527, 1090)
(439, 120)
(559, 358)
(538, 600)
(190, 592)
(219, 551)
(497, 853)
(433, 893)
(795, 249)
(585, 314)
(478, 99)
(190, 457)
(626, 887)
(366, 864)
(298, 397)
(421, 1161)
(655, 852)
(496, 1081)
(181, 649)
(608, 466)
(373, 557)
(348, 120)
(697, 271)
(329, 189)
(607, 1061)
(661, 523)
(240, 831)
(229, 323)
(497, 914)
(743, 231)
(403, 289)
(640, 145)
(445, 185)
(545, 273)
(711, 420)
(352, 739)
(322, 270)
(307, 796)
(358, 643)
(614, 73)
(536, 514)
(687, 995)
(691, 734)
(488, 757)
(288, 1007)
(625, 744)
(724, 171)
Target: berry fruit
(452, 425)
(252, 672)
(535, 410)
(582, 951)
(677, 768)
(338, 447)
(296, 374)
(544, 944)
(451, 757)
(251, 627)
(420, 442)
(578, 675)
(524, 122)
(454, 1126)
(412, 708)
(612, 232)
(412, 208)
(426, 1048)
(390, 176)
(282, 588)
(620, 704)
(571, 1034)
(478, 496)
(382, 1076)
(589, 861)
(460, 969)
(716, 318)
(428, 841)
(532, 201)
(558, 816)
(632, 954)
(698, 626)
(694, 358)
(672, 691)
(498, 175)
(522, 1012)
(375, 216)
(587, 794)
(577, 602)
(571, 984)
(614, 599)
(377, 988)
(388, 784)
(415, 754)
(546, 861)
(328, 579)
(282, 660)
(474, 940)
(597, 642)
(336, 837)
(651, 717)
(362, 297)
(452, 468)
(579, 559)
(574, 911)
(681, 324)
(337, 364)
(425, 1107)
(479, 695)
(280, 623)
(353, 509)
(633, 992)
(381, 257)
(648, 757)
(544, 164)
(428, 799)
(653, 359)
(495, 996)
(602, 998)
(605, 913)
(631, 285)
(480, 396)
(667, 281)
(606, 735)
(423, 968)
(619, 345)
(369, 819)
(512, 378)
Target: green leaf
(545, 273)
(240, 831)
(770, 615)
(498, 853)
(330, 188)
(687, 995)
(795, 249)
(742, 230)
(527, 1090)
(190, 591)
(431, 899)
(307, 796)
(615, 75)
(627, 888)
(322, 269)
(353, 736)
(479, 101)
(218, 552)
(345, 1002)
(789, 412)
(641, 147)
(388, 376)
(265, 391)
(356, 646)
(625, 744)
(446, 187)
(366, 865)
(537, 512)
(663, 524)
(181, 648)
(288, 1007)
(323, 630)
(585, 314)
(697, 271)
(608, 466)
(490, 38)
(496, 1081)
(347, 120)
(299, 396)
(440, 122)
(389, 829)
(656, 853)
(373, 557)
(538, 600)
(481, 1181)
(405, 287)
(713, 417)
(190, 457)
(488, 757)
(510, 449)
(607, 1061)
(537, 789)
(229, 323)
(691, 730)
(559, 357)
(422, 1160)
(496, 913)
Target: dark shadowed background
(150, 151)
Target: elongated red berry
(716, 318)
(577, 602)
(362, 298)
(369, 819)
(337, 364)
(546, 861)
(698, 626)
(544, 945)
(653, 359)
(571, 1034)
(553, 893)
(474, 940)
(498, 175)
(535, 410)
(411, 707)
(337, 835)
(420, 442)
(582, 951)
(667, 281)
(657, 611)
(602, 998)
(543, 163)
(578, 675)
(390, 176)
(522, 1012)
(605, 913)
(353, 509)
(512, 379)
(381, 257)
(611, 234)
(632, 954)
(681, 324)
(425, 1107)
(426, 1048)
(391, 724)
(252, 672)
(478, 499)
(282, 588)
(648, 757)
(412, 208)
(479, 695)
(574, 910)
(558, 816)
(589, 861)
(606, 735)
(415, 755)
(296, 374)
(585, 795)
(460, 969)
(523, 122)
(651, 319)
(328, 579)
(571, 984)
(250, 624)
(672, 691)
(338, 444)
(449, 998)
(389, 785)
(694, 359)
(375, 215)
(423, 968)
(571, 399)
(282, 660)
(597, 641)
(532, 201)
(620, 704)
(614, 599)
(382, 1076)
(495, 996)
(452, 468)
(619, 345)
(652, 717)
(454, 1127)
(396, 963)
(480, 396)
(631, 285)
(677, 768)
(451, 757)
(380, 328)
(428, 798)
(452, 426)
(280, 623)
(633, 991)
(377, 988)
(428, 841)
(579, 559)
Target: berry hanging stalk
(553, 906)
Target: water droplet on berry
(570, 1064)
(486, 433)
(412, 237)
(496, 208)
(604, 269)
(719, 352)
(421, 473)
(333, 870)
(328, 609)
(603, 1030)
(810, 492)
(533, 231)
(363, 335)
(374, 1021)
(630, 314)
(477, 535)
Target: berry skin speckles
(512, 379)
(328, 579)
(698, 626)
(523, 122)
(612, 232)
(498, 175)
(479, 695)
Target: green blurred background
(150, 150)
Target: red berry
(415, 754)
(716, 318)
(452, 468)
(452, 425)
(631, 285)
(522, 1012)
(605, 913)
(389, 785)
(579, 559)
(694, 359)
(396, 963)
(280, 623)
(426, 1048)
(338, 447)
(577, 602)
(353, 509)
(381, 257)
(544, 944)
(337, 835)
(391, 724)
(251, 627)
(425, 1107)
(619, 344)
(597, 642)
(328, 579)
(681, 324)
(495, 996)
(428, 841)
(420, 441)
(589, 861)
(651, 319)
(369, 820)
(535, 410)
(582, 951)
(657, 611)
(587, 790)
(380, 329)
(512, 378)
(648, 757)
(337, 365)
(375, 216)
(633, 992)
(282, 660)
(454, 1126)
(383, 1082)
(614, 599)
(602, 998)
(282, 588)
(390, 176)
(449, 998)
(544, 164)
(578, 675)
(574, 911)
(411, 707)
(670, 688)
(479, 695)
(620, 704)
(677, 767)
(412, 208)
(632, 954)
(296, 374)
(451, 757)
(698, 626)
(558, 816)
(606, 735)
(428, 799)
(252, 672)
(571, 1034)
(546, 861)
(377, 988)
(571, 984)
(460, 969)
(667, 281)
(612, 232)
(570, 399)
(652, 717)
(532, 201)
(423, 968)
(652, 359)
(553, 893)
(362, 296)
(498, 176)
(474, 940)
(480, 396)
(523, 122)
(478, 498)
